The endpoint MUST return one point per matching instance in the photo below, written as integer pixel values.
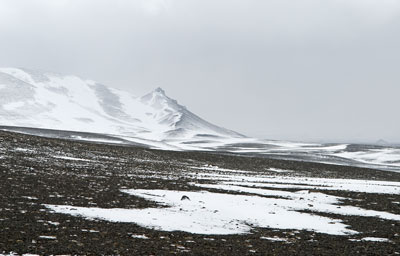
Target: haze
(297, 70)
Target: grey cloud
(303, 70)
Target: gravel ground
(36, 171)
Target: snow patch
(73, 158)
(48, 237)
(210, 213)
(375, 239)
(278, 170)
(371, 239)
(353, 185)
(139, 236)
(274, 239)
(383, 156)
(243, 202)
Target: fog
(300, 70)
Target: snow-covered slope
(52, 101)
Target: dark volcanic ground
(31, 176)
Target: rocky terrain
(49, 187)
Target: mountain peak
(159, 90)
(382, 142)
(159, 100)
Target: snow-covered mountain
(68, 103)
(47, 100)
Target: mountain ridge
(53, 105)
(49, 100)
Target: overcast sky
(280, 69)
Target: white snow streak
(222, 212)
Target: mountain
(382, 142)
(185, 124)
(52, 101)
(55, 105)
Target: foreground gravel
(36, 171)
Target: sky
(304, 70)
